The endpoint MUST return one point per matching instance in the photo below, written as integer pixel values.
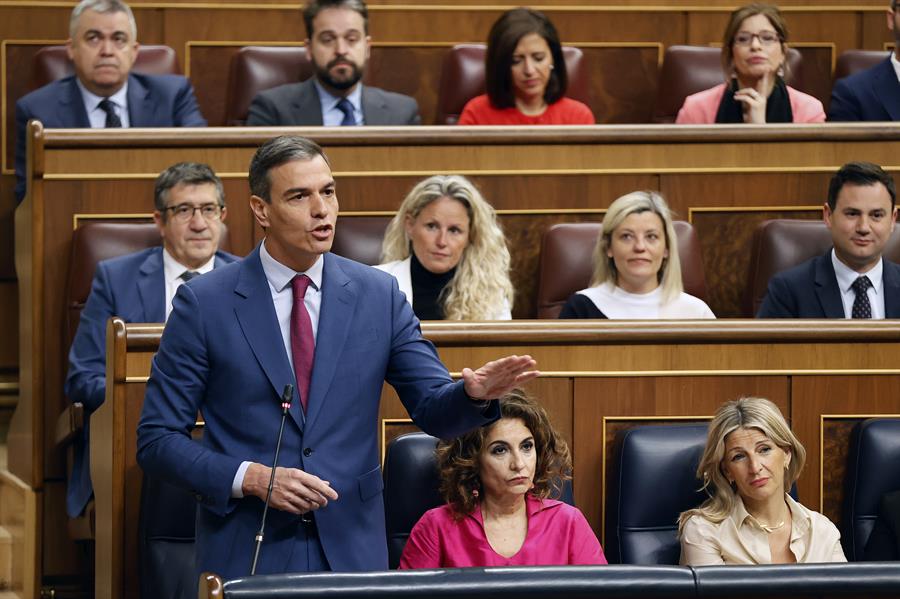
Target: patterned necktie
(303, 345)
(346, 107)
(112, 119)
(188, 275)
(861, 306)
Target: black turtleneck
(427, 288)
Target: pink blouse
(558, 534)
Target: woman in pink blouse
(497, 482)
(754, 55)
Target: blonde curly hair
(481, 282)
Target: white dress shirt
(331, 114)
(845, 278)
(172, 271)
(279, 278)
(96, 115)
(896, 64)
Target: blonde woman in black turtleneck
(448, 253)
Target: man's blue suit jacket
(153, 101)
(870, 95)
(810, 290)
(222, 353)
(132, 287)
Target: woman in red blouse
(525, 76)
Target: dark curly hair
(458, 459)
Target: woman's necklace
(770, 529)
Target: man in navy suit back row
(189, 207)
(852, 280)
(104, 92)
(873, 94)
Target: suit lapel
(887, 89)
(140, 104)
(151, 279)
(375, 110)
(338, 302)
(827, 288)
(307, 105)
(71, 108)
(890, 277)
(256, 316)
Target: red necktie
(303, 344)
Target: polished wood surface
(598, 379)
(723, 179)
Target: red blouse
(565, 111)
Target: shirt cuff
(237, 485)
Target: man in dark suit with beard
(338, 46)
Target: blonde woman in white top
(637, 273)
(750, 460)
(448, 253)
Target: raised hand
(498, 377)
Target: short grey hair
(185, 173)
(276, 152)
(103, 7)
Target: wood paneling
(599, 379)
(535, 177)
(826, 397)
(725, 239)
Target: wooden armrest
(69, 423)
(210, 587)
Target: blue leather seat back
(873, 469)
(654, 481)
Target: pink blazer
(701, 108)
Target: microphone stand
(286, 396)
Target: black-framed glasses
(183, 213)
(766, 38)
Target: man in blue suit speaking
(293, 313)
(104, 92)
(189, 210)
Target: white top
(401, 270)
(96, 115)
(738, 539)
(172, 271)
(846, 276)
(331, 114)
(616, 303)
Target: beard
(344, 83)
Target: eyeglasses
(183, 213)
(766, 38)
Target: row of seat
(686, 70)
(566, 261)
(641, 512)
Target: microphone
(286, 396)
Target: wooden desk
(723, 179)
(599, 379)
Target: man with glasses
(139, 287)
(873, 94)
